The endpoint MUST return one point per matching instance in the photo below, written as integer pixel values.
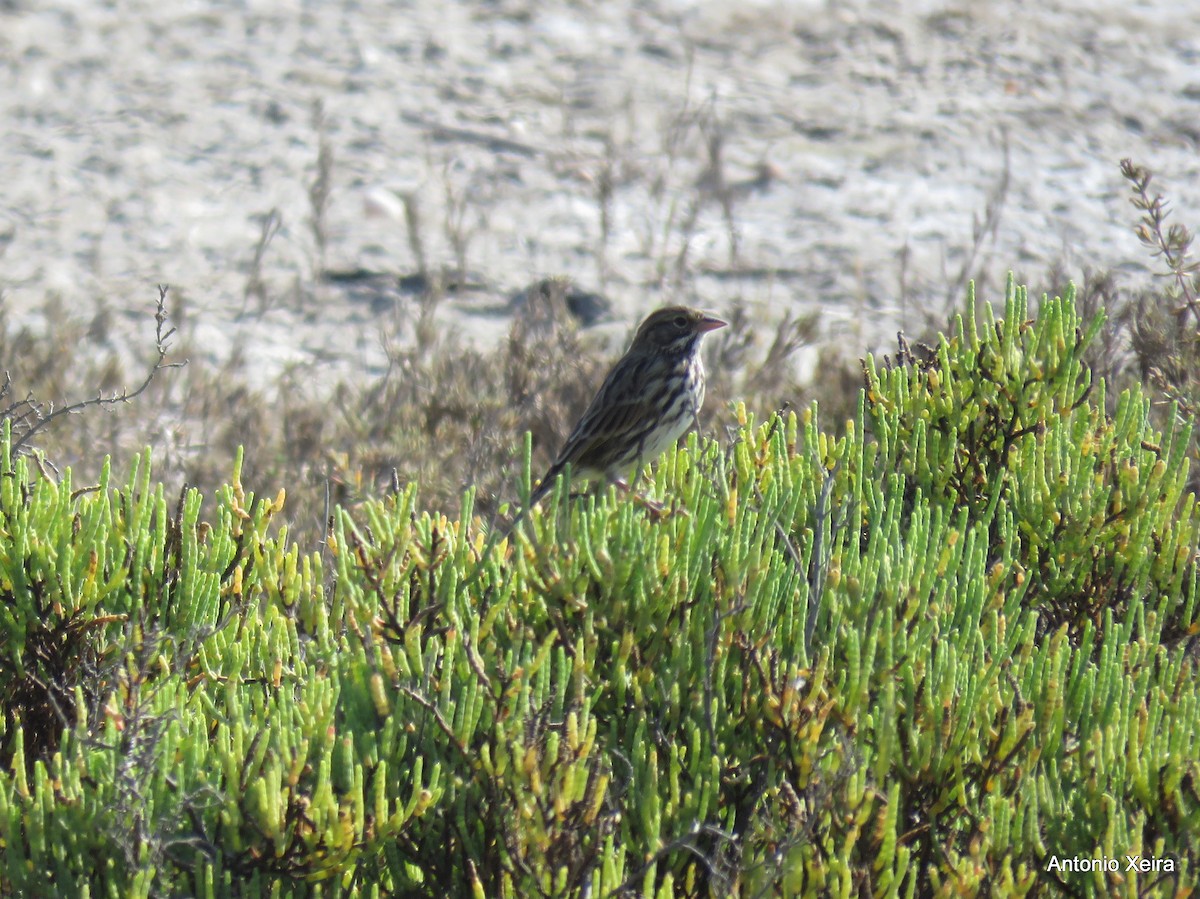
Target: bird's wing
(614, 418)
(617, 413)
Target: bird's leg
(657, 510)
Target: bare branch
(31, 416)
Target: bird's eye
(680, 322)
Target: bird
(649, 399)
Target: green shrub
(936, 654)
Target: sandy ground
(860, 144)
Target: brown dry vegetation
(449, 416)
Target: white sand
(143, 142)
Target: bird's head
(674, 329)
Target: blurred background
(399, 235)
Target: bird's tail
(545, 485)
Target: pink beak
(708, 323)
